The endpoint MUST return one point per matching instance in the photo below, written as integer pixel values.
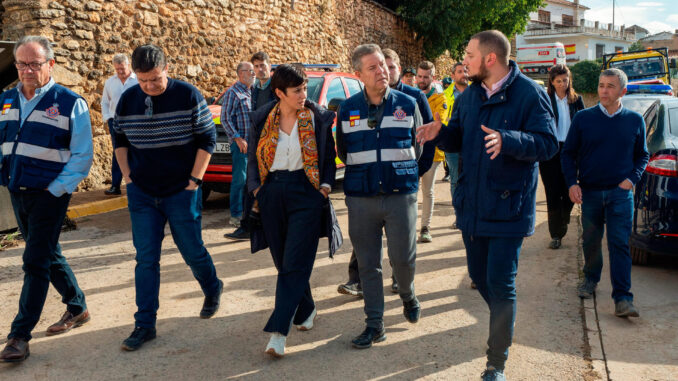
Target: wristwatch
(196, 180)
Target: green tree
(585, 76)
(636, 46)
(448, 24)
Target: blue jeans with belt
(493, 266)
(291, 214)
(614, 209)
(149, 215)
(40, 216)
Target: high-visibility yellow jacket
(439, 104)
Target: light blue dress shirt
(607, 113)
(77, 167)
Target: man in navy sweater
(164, 137)
(603, 158)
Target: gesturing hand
(493, 144)
(429, 131)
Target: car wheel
(639, 256)
(542, 70)
(205, 193)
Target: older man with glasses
(46, 141)
(235, 120)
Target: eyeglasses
(249, 71)
(35, 66)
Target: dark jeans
(291, 214)
(558, 201)
(613, 208)
(238, 181)
(116, 174)
(40, 216)
(493, 265)
(149, 215)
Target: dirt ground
(448, 343)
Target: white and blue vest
(380, 159)
(33, 155)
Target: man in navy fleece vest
(164, 138)
(603, 158)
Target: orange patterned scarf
(268, 141)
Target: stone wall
(204, 39)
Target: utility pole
(612, 16)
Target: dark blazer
(323, 120)
(576, 106)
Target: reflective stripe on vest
(6, 148)
(387, 154)
(10, 115)
(42, 153)
(59, 121)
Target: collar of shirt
(602, 108)
(431, 92)
(456, 92)
(241, 87)
(27, 105)
(497, 86)
(258, 84)
(386, 94)
(131, 76)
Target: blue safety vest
(380, 159)
(33, 155)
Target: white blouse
(288, 152)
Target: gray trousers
(368, 217)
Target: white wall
(557, 11)
(585, 46)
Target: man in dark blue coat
(502, 125)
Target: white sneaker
(235, 222)
(276, 346)
(307, 325)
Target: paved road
(447, 344)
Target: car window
(639, 105)
(336, 90)
(673, 121)
(315, 84)
(354, 86)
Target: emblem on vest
(52, 112)
(399, 114)
(6, 106)
(354, 118)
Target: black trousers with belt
(291, 214)
(558, 201)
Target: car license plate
(223, 148)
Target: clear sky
(655, 16)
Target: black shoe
(555, 243)
(239, 234)
(112, 191)
(211, 304)
(138, 337)
(412, 310)
(370, 335)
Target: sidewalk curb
(96, 207)
(593, 342)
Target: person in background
(426, 73)
(235, 120)
(123, 79)
(453, 93)
(565, 103)
(409, 77)
(291, 172)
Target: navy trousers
(116, 174)
(291, 214)
(493, 265)
(40, 216)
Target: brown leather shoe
(68, 321)
(16, 350)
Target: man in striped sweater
(164, 137)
